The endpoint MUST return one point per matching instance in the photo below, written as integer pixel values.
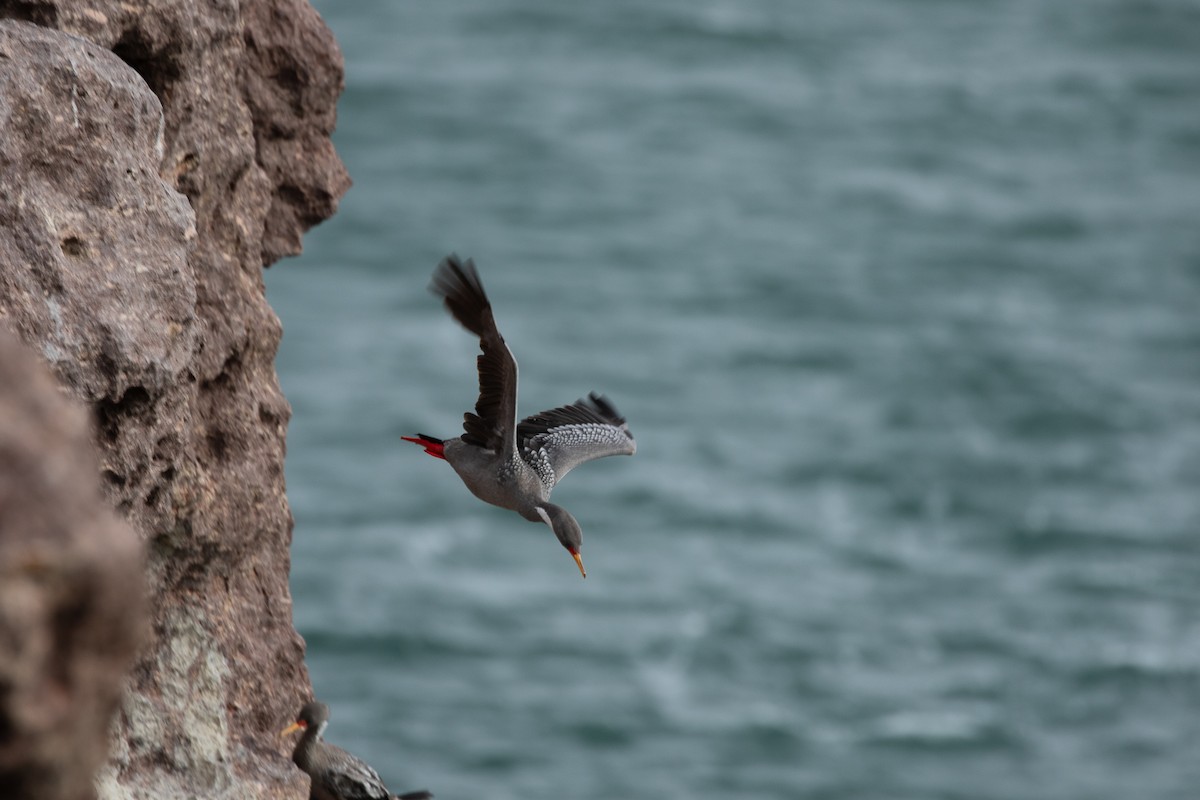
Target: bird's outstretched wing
(494, 421)
(556, 441)
(353, 779)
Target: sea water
(902, 303)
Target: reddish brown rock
(71, 610)
(149, 169)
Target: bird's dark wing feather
(420, 795)
(493, 423)
(556, 441)
(353, 779)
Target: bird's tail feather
(433, 447)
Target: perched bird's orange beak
(579, 561)
(295, 726)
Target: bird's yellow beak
(579, 561)
(295, 726)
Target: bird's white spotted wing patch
(557, 451)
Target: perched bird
(512, 464)
(336, 775)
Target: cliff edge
(154, 158)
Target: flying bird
(511, 464)
(336, 775)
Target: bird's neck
(307, 747)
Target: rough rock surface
(151, 164)
(71, 607)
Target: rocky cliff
(154, 158)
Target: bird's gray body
(511, 464)
(509, 483)
(522, 480)
(336, 774)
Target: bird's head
(314, 716)
(566, 529)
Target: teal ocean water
(902, 303)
